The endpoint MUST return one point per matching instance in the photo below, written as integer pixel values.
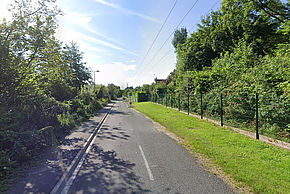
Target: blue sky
(115, 35)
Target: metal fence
(269, 115)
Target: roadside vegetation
(263, 167)
(237, 51)
(45, 87)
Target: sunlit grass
(263, 167)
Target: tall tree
(79, 72)
(180, 36)
(23, 43)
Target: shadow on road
(104, 172)
(52, 161)
(113, 133)
(115, 112)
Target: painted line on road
(72, 178)
(62, 182)
(146, 164)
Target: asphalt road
(130, 156)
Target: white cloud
(4, 5)
(125, 67)
(101, 42)
(131, 61)
(83, 20)
(128, 11)
(67, 35)
(116, 73)
(78, 19)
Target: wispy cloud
(101, 42)
(128, 11)
(83, 20)
(67, 35)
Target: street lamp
(95, 76)
(95, 80)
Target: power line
(188, 31)
(206, 13)
(158, 32)
(174, 30)
(164, 56)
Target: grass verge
(263, 167)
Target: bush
(142, 97)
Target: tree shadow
(115, 112)
(39, 178)
(112, 133)
(89, 124)
(104, 172)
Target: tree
(180, 36)
(114, 91)
(79, 72)
(23, 44)
(25, 105)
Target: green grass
(263, 167)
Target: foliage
(179, 37)
(114, 91)
(237, 51)
(45, 87)
(142, 97)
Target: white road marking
(73, 176)
(146, 164)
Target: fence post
(165, 99)
(201, 108)
(188, 103)
(257, 118)
(158, 99)
(221, 110)
(178, 102)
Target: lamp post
(95, 79)
(95, 76)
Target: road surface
(130, 156)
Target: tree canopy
(240, 49)
(45, 86)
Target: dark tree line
(45, 87)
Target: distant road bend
(128, 155)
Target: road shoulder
(202, 160)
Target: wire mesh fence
(263, 114)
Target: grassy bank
(263, 167)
